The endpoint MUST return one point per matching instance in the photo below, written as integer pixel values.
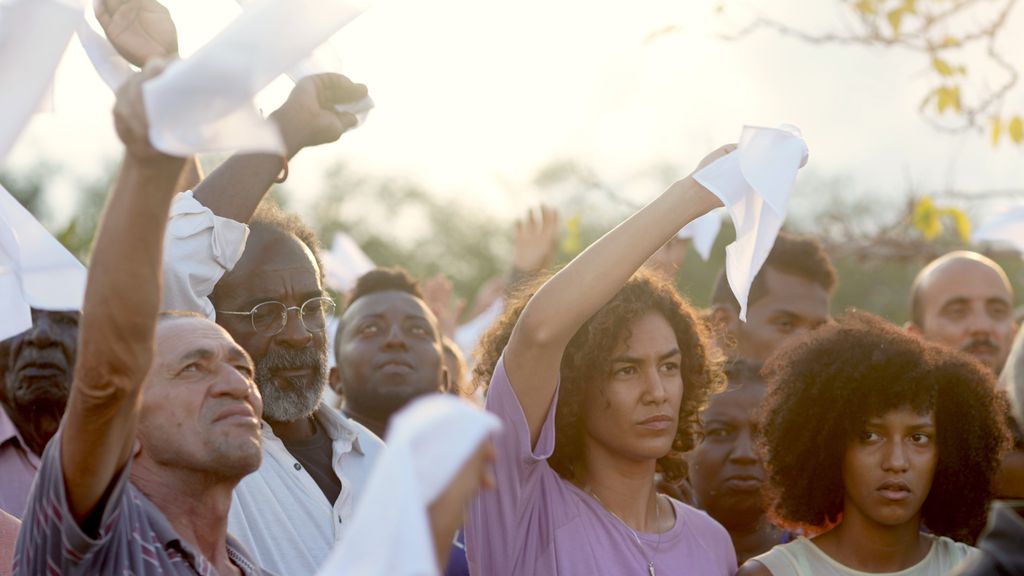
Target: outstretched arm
(307, 118)
(122, 299)
(575, 293)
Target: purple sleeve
(510, 521)
(50, 536)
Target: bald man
(964, 300)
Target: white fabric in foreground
(36, 271)
(325, 59)
(754, 182)
(33, 37)
(703, 231)
(428, 442)
(111, 66)
(205, 102)
(345, 263)
(1006, 227)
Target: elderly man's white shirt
(281, 515)
(278, 512)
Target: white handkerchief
(754, 183)
(33, 37)
(36, 271)
(325, 59)
(345, 263)
(205, 103)
(111, 66)
(1006, 227)
(703, 231)
(428, 443)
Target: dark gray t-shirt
(315, 454)
(134, 536)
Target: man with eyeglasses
(257, 272)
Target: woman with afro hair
(601, 379)
(883, 445)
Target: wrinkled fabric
(199, 248)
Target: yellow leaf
(943, 101)
(572, 244)
(997, 130)
(950, 41)
(910, 6)
(866, 7)
(949, 97)
(895, 18)
(926, 218)
(1016, 130)
(961, 221)
(942, 67)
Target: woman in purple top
(601, 378)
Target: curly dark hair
(824, 388)
(270, 218)
(384, 280)
(801, 256)
(587, 360)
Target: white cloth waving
(205, 102)
(428, 442)
(36, 271)
(33, 37)
(754, 182)
(1006, 227)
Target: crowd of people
(179, 423)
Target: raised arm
(122, 299)
(575, 293)
(307, 118)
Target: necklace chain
(639, 544)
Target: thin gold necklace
(639, 544)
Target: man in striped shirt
(163, 418)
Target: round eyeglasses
(269, 318)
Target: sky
(473, 97)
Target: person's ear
(334, 381)
(913, 328)
(724, 320)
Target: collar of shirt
(170, 540)
(9, 433)
(338, 429)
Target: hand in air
(139, 30)
(309, 117)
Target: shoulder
(337, 424)
(952, 550)
(700, 521)
(753, 568)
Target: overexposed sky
(474, 96)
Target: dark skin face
(725, 469)
(726, 472)
(36, 366)
(789, 307)
(389, 352)
(279, 268)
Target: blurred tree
(398, 223)
(971, 74)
